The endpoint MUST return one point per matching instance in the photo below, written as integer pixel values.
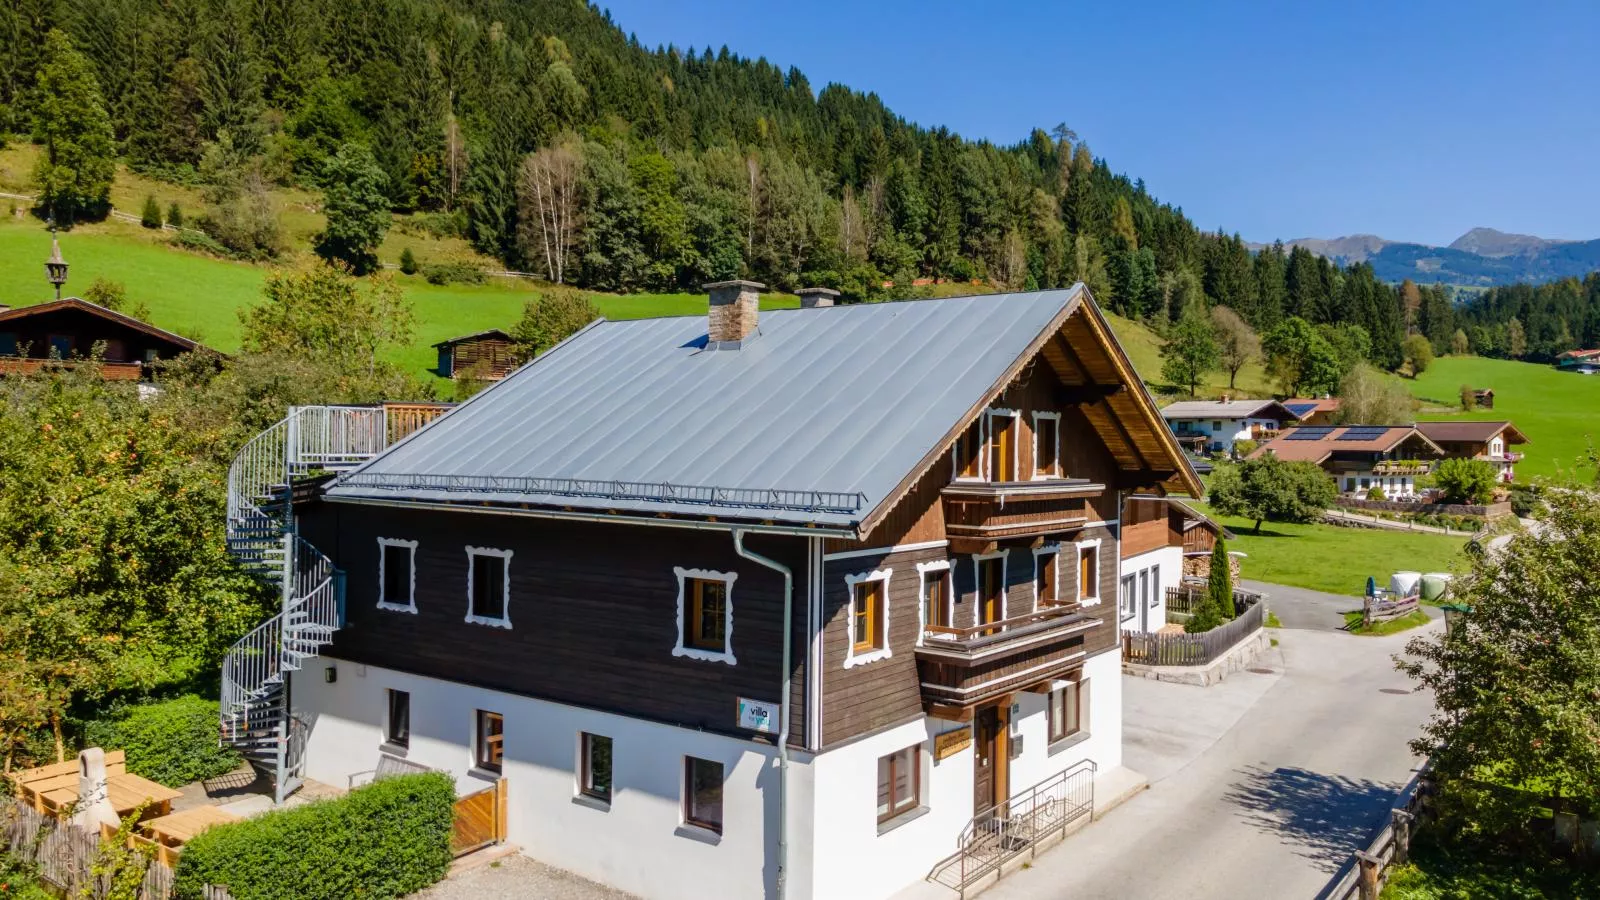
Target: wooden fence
(64, 855)
(1386, 606)
(1363, 877)
(1193, 649)
(1183, 600)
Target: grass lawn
(1338, 560)
(1556, 410)
(1144, 348)
(1441, 872)
(1352, 623)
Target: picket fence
(64, 856)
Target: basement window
(489, 587)
(705, 615)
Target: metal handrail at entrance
(1005, 831)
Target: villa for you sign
(758, 716)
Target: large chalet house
(1360, 457)
(803, 594)
(63, 331)
(1488, 441)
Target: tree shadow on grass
(1324, 818)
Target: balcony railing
(110, 371)
(1510, 456)
(993, 510)
(1402, 467)
(963, 667)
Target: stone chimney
(735, 311)
(816, 297)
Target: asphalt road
(1300, 608)
(1261, 786)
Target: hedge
(388, 839)
(172, 741)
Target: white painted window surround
(727, 579)
(410, 549)
(1016, 451)
(472, 617)
(1077, 571)
(923, 568)
(1052, 421)
(1048, 555)
(851, 657)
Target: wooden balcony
(977, 514)
(110, 371)
(960, 668)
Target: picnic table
(178, 828)
(125, 790)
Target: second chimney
(815, 297)
(735, 310)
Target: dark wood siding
(484, 357)
(593, 609)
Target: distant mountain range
(1482, 257)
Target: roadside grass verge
(1338, 560)
(1439, 870)
(1413, 619)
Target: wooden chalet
(859, 563)
(485, 356)
(1487, 441)
(62, 332)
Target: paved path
(1261, 786)
(1308, 609)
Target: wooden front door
(991, 590)
(989, 757)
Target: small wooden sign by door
(952, 742)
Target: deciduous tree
(1299, 358)
(357, 210)
(1191, 351)
(1367, 397)
(1237, 343)
(1269, 489)
(1418, 352)
(1465, 480)
(549, 198)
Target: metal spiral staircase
(255, 714)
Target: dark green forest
(556, 142)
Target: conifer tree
(150, 217)
(74, 172)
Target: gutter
(604, 518)
(783, 700)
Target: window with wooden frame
(705, 615)
(899, 782)
(1045, 592)
(938, 594)
(868, 622)
(490, 744)
(594, 766)
(702, 794)
(1002, 452)
(1068, 711)
(397, 724)
(967, 455)
(1089, 572)
(397, 575)
(489, 587)
(1047, 445)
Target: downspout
(783, 701)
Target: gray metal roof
(1226, 409)
(815, 421)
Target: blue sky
(1409, 119)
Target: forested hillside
(553, 140)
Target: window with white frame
(867, 625)
(705, 615)
(966, 457)
(1068, 711)
(489, 587)
(1046, 445)
(937, 592)
(1088, 574)
(1001, 457)
(899, 783)
(1046, 576)
(397, 575)
(1127, 603)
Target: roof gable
(1227, 409)
(77, 304)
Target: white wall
(638, 845)
(1167, 560)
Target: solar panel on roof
(1308, 434)
(1363, 434)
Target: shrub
(199, 241)
(1469, 398)
(175, 215)
(1376, 493)
(387, 839)
(1524, 500)
(454, 273)
(408, 262)
(150, 217)
(172, 741)
(1465, 480)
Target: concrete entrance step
(1114, 787)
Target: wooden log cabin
(64, 332)
(485, 356)
(804, 594)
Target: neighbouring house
(1489, 441)
(1313, 410)
(1584, 362)
(1215, 425)
(62, 332)
(801, 593)
(1361, 457)
(485, 356)
(1159, 536)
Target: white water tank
(1405, 583)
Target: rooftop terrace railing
(840, 502)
